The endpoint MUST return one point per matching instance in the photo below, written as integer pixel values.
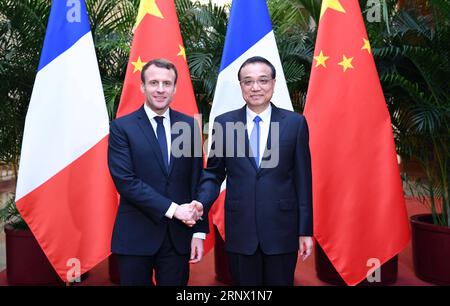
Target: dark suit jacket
(146, 188)
(267, 206)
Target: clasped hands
(189, 213)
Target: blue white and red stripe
(64, 190)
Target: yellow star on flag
(320, 59)
(147, 7)
(366, 45)
(138, 64)
(332, 4)
(182, 52)
(346, 62)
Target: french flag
(64, 189)
(249, 33)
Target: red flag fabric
(157, 35)
(359, 209)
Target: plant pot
(26, 263)
(327, 273)
(221, 264)
(431, 250)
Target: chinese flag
(157, 35)
(359, 209)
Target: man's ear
(142, 87)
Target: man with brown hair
(155, 225)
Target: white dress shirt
(167, 128)
(264, 126)
(166, 122)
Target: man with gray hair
(268, 204)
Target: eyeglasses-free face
(159, 88)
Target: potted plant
(26, 263)
(414, 76)
(431, 232)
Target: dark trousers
(260, 269)
(171, 268)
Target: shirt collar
(151, 114)
(265, 115)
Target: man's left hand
(196, 250)
(306, 244)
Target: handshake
(189, 213)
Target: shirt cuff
(171, 211)
(200, 235)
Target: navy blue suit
(266, 209)
(147, 188)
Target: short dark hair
(257, 59)
(161, 63)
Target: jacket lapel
(242, 117)
(275, 117)
(174, 118)
(149, 133)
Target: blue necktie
(162, 140)
(255, 139)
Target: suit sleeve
(197, 166)
(129, 186)
(214, 173)
(304, 180)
